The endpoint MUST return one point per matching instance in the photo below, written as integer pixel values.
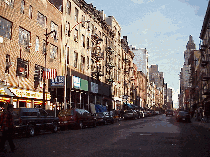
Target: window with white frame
(37, 44)
(22, 6)
(75, 59)
(53, 51)
(41, 19)
(24, 37)
(9, 2)
(5, 28)
(30, 12)
(68, 7)
(53, 27)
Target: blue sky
(162, 27)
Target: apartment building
(30, 51)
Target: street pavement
(157, 136)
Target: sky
(162, 27)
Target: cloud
(142, 1)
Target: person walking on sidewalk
(7, 128)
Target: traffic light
(37, 73)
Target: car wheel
(112, 122)
(55, 128)
(31, 131)
(94, 124)
(105, 122)
(80, 125)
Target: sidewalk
(199, 123)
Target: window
(37, 44)
(82, 68)
(83, 40)
(76, 14)
(9, 2)
(22, 6)
(54, 27)
(68, 8)
(76, 35)
(5, 28)
(93, 31)
(30, 12)
(24, 37)
(83, 19)
(22, 68)
(75, 59)
(88, 64)
(44, 47)
(8, 64)
(68, 29)
(67, 62)
(41, 19)
(53, 51)
(88, 46)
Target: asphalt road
(157, 136)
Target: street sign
(58, 81)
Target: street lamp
(45, 62)
(65, 84)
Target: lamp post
(45, 64)
(65, 84)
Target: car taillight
(20, 121)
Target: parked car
(104, 118)
(77, 118)
(183, 116)
(116, 115)
(130, 114)
(32, 120)
(140, 114)
(169, 112)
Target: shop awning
(5, 91)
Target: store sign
(76, 82)
(94, 87)
(29, 94)
(58, 81)
(84, 85)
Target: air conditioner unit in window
(29, 45)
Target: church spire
(190, 44)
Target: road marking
(146, 134)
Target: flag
(50, 73)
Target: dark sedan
(183, 116)
(104, 118)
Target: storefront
(22, 97)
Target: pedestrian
(7, 128)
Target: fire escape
(97, 56)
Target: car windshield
(182, 112)
(66, 113)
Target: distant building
(140, 59)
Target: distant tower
(190, 44)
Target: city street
(152, 136)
